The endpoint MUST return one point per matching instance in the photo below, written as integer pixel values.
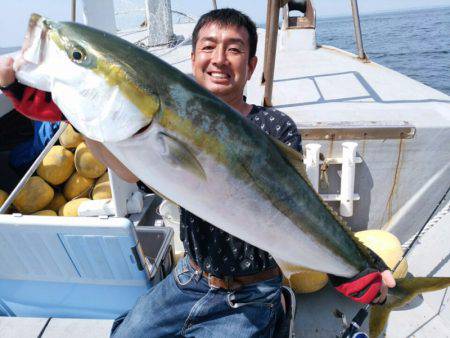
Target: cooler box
(78, 267)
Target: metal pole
(359, 43)
(32, 169)
(149, 22)
(214, 4)
(266, 39)
(74, 10)
(271, 49)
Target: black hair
(228, 17)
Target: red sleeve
(33, 103)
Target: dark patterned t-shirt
(218, 252)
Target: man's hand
(7, 74)
(369, 286)
(388, 282)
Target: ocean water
(414, 43)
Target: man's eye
(207, 48)
(234, 50)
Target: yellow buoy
(57, 201)
(86, 164)
(70, 138)
(306, 281)
(57, 165)
(3, 196)
(103, 178)
(101, 191)
(45, 213)
(34, 196)
(301, 279)
(71, 207)
(77, 186)
(387, 246)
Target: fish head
(91, 78)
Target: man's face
(220, 61)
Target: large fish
(194, 149)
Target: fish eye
(77, 55)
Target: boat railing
(359, 42)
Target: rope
(430, 223)
(445, 210)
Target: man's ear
(251, 67)
(192, 57)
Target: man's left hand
(388, 283)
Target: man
(224, 286)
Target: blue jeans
(184, 305)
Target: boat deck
(427, 316)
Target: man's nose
(219, 56)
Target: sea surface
(415, 43)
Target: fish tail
(406, 290)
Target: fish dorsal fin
(295, 158)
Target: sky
(15, 14)
(324, 8)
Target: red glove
(366, 285)
(363, 288)
(33, 103)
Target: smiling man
(223, 286)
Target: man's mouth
(218, 75)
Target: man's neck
(240, 105)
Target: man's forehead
(215, 30)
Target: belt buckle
(232, 284)
(228, 282)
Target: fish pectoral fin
(179, 155)
(406, 290)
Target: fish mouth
(33, 52)
(32, 46)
